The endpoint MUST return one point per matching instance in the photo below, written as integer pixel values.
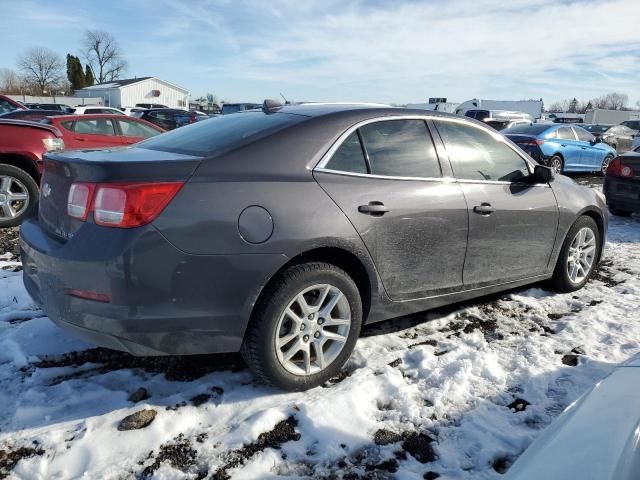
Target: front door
(512, 224)
(91, 133)
(387, 180)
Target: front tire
(578, 257)
(556, 164)
(18, 195)
(305, 327)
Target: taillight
(79, 200)
(192, 118)
(121, 205)
(532, 142)
(617, 168)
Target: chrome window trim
(384, 177)
(320, 166)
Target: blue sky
(328, 50)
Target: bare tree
(560, 106)
(10, 82)
(611, 101)
(103, 55)
(41, 67)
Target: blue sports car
(564, 148)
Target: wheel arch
(21, 162)
(341, 257)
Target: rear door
(90, 133)
(512, 224)
(387, 179)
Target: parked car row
(23, 144)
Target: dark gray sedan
(281, 232)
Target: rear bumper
(622, 194)
(162, 301)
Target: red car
(95, 131)
(22, 145)
(9, 105)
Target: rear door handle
(80, 139)
(376, 209)
(484, 209)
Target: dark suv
(281, 232)
(169, 118)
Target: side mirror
(597, 140)
(542, 174)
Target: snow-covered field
(458, 392)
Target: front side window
(400, 148)
(566, 133)
(349, 157)
(478, 155)
(130, 128)
(583, 135)
(94, 126)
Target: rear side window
(477, 155)
(349, 157)
(400, 148)
(68, 125)
(221, 133)
(94, 126)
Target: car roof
(365, 109)
(88, 116)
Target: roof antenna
(286, 102)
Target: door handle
(584, 148)
(376, 209)
(81, 139)
(563, 144)
(484, 209)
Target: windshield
(596, 128)
(221, 133)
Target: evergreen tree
(88, 77)
(74, 73)
(573, 106)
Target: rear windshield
(220, 133)
(526, 129)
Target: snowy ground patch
(459, 392)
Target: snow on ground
(459, 392)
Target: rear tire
(305, 326)
(556, 164)
(578, 257)
(18, 195)
(605, 164)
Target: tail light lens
(532, 142)
(617, 168)
(79, 200)
(121, 205)
(53, 144)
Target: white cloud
(395, 51)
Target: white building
(130, 91)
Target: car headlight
(53, 144)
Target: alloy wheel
(605, 165)
(556, 165)
(313, 329)
(582, 253)
(14, 197)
